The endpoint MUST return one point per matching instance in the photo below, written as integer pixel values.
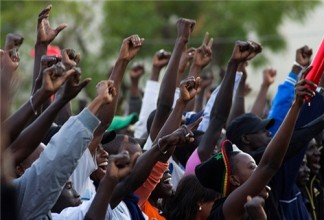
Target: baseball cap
(247, 123)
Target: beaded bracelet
(159, 147)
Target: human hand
(303, 89)
(70, 58)
(203, 54)
(269, 76)
(106, 91)
(13, 41)
(73, 86)
(186, 57)
(184, 28)
(9, 62)
(161, 58)
(206, 81)
(254, 208)
(120, 165)
(245, 50)
(54, 77)
(45, 34)
(130, 47)
(303, 56)
(188, 88)
(137, 70)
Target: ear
(20, 170)
(234, 181)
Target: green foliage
(97, 28)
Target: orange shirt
(151, 211)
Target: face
(68, 198)
(102, 163)
(303, 173)
(244, 167)
(259, 139)
(313, 157)
(164, 188)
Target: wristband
(162, 152)
(298, 64)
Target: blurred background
(96, 29)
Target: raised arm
(238, 107)
(269, 75)
(202, 57)
(162, 148)
(271, 159)
(168, 85)
(119, 166)
(242, 52)
(28, 111)
(135, 96)
(31, 137)
(45, 35)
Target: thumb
(84, 83)
(60, 28)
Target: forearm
(219, 113)
(238, 107)
(167, 89)
(17, 122)
(277, 148)
(40, 50)
(260, 101)
(101, 200)
(32, 136)
(155, 73)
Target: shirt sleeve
(192, 162)
(151, 94)
(41, 184)
(86, 165)
(203, 125)
(149, 185)
(282, 101)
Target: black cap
(214, 173)
(108, 136)
(247, 123)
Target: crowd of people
(194, 152)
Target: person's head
(233, 167)
(164, 188)
(102, 156)
(121, 143)
(190, 201)
(313, 157)
(21, 167)
(303, 173)
(68, 198)
(249, 132)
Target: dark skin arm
(168, 85)
(254, 208)
(17, 122)
(206, 81)
(202, 57)
(30, 138)
(269, 76)
(271, 159)
(129, 48)
(70, 59)
(9, 59)
(160, 60)
(45, 35)
(242, 52)
(119, 166)
(146, 162)
(238, 107)
(136, 72)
